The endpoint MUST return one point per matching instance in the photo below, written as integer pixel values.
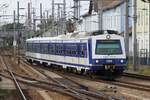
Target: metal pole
(29, 16)
(18, 33)
(149, 35)
(53, 27)
(58, 19)
(44, 22)
(100, 14)
(47, 15)
(79, 9)
(134, 36)
(76, 9)
(64, 18)
(62, 22)
(14, 35)
(126, 33)
(41, 12)
(34, 21)
(18, 11)
(53, 8)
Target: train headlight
(97, 61)
(121, 61)
(108, 36)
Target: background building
(113, 17)
(143, 30)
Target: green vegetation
(3, 93)
(143, 69)
(10, 26)
(9, 95)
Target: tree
(10, 26)
(70, 26)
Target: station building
(143, 28)
(113, 17)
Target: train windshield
(108, 47)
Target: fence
(142, 57)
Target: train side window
(52, 48)
(49, 48)
(57, 49)
(27, 47)
(33, 46)
(45, 48)
(30, 47)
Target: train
(100, 52)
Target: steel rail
(87, 93)
(18, 86)
(138, 76)
(49, 87)
(81, 95)
(15, 80)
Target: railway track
(33, 82)
(58, 86)
(118, 82)
(121, 83)
(132, 85)
(76, 89)
(143, 77)
(13, 77)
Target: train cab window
(108, 47)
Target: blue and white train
(84, 52)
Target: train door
(83, 54)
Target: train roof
(75, 35)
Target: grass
(4, 94)
(142, 69)
(9, 95)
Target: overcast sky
(12, 5)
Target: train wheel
(83, 72)
(30, 61)
(109, 75)
(89, 74)
(67, 69)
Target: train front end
(108, 56)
